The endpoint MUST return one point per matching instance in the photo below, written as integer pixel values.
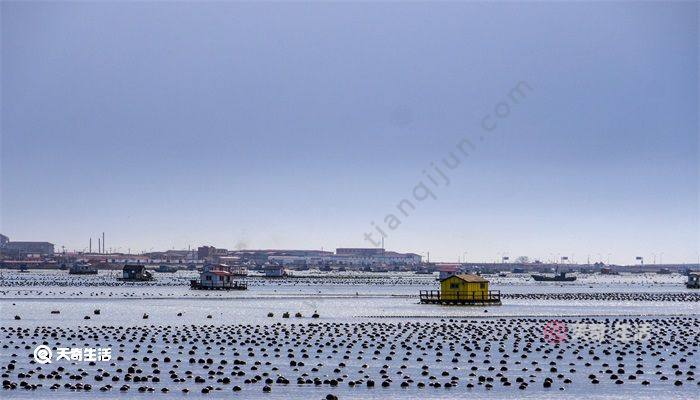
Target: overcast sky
(302, 125)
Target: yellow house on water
(462, 289)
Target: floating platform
(693, 280)
(197, 285)
(490, 298)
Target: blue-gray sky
(298, 125)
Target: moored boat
(166, 269)
(560, 277)
(82, 269)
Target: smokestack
(103, 243)
(90, 246)
(99, 248)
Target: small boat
(608, 271)
(423, 272)
(166, 268)
(275, 271)
(560, 277)
(82, 269)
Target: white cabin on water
(218, 276)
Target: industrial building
(27, 249)
(349, 257)
(209, 252)
(286, 257)
(374, 256)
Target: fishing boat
(423, 271)
(166, 268)
(558, 277)
(608, 271)
(82, 269)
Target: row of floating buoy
(474, 354)
(604, 296)
(286, 314)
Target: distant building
(361, 252)
(373, 256)
(447, 270)
(261, 257)
(3, 239)
(343, 257)
(298, 261)
(204, 252)
(178, 256)
(209, 252)
(22, 249)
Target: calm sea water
(337, 299)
